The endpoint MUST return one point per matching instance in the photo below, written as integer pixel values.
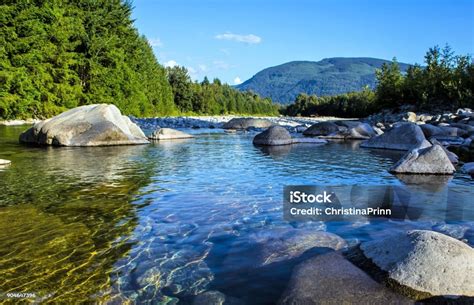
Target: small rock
(431, 160)
(410, 117)
(275, 135)
(168, 134)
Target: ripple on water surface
(160, 223)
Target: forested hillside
(56, 55)
(330, 76)
(444, 82)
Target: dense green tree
(56, 55)
(182, 88)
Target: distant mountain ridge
(329, 76)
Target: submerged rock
(90, 125)
(431, 160)
(293, 243)
(168, 134)
(275, 135)
(405, 136)
(244, 123)
(331, 279)
(469, 168)
(214, 297)
(4, 162)
(427, 262)
(322, 129)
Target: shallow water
(161, 223)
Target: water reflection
(157, 223)
(66, 218)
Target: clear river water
(160, 223)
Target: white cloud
(203, 67)
(237, 81)
(171, 63)
(155, 42)
(221, 65)
(249, 38)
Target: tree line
(214, 98)
(56, 55)
(445, 82)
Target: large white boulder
(425, 261)
(90, 125)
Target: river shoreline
(215, 120)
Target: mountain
(329, 76)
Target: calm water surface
(161, 223)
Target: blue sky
(234, 39)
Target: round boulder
(275, 135)
(245, 123)
(432, 160)
(427, 262)
(90, 125)
(331, 279)
(405, 136)
(322, 129)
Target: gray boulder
(322, 129)
(331, 279)
(431, 130)
(431, 160)
(362, 131)
(428, 262)
(452, 156)
(275, 135)
(469, 168)
(90, 125)
(168, 134)
(454, 131)
(245, 123)
(449, 140)
(4, 162)
(406, 136)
